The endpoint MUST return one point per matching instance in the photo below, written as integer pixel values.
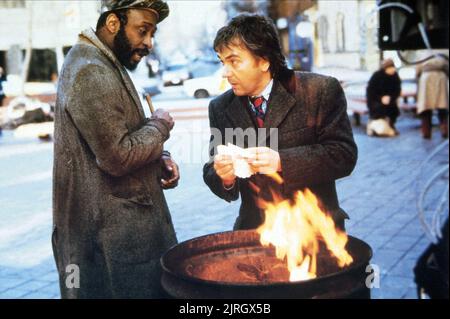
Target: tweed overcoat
(110, 215)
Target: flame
(295, 229)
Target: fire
(295, 230)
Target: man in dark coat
(315, 140)
(111, 220)
(383, 90)
(2, 79)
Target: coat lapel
(280, 103)
(238, 115)
(132, 91)
(92, 37)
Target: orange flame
(295, 229)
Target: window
(323, 33)
(340, 32)
(43, 65)
(12, 4)
(3, 60)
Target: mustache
(142, 52)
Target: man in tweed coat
(111, 220)
(315, 140)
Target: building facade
(41, 25)
(328, 32)
(346, 33)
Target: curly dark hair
(259, 35)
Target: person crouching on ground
(383, 90)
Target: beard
(124, 51)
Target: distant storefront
(47, 27)
(327, 33)
(346, 34)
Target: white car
(207, 86)
(175, 74)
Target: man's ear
(264, 64)
(112, 23)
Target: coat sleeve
(95, 106)
(334, 154)
(397, 90)
(444, 68)
(373, 90)
(209, 174)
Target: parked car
(175, 74)
(199, 68)
(207, 86)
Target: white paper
(241, 167)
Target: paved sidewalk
(380, 196)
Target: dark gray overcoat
(315, 143)
(111, 219)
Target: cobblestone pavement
(380, 197)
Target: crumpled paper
(241, 167)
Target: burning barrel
(296, 253)
(236, 265)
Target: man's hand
(171, 174)
(264, 160)
(386, 100)
(160, 114)
(223, 165)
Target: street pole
(29, 47)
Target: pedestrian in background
(432, 91)
(383, 90)
(2, 79)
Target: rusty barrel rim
(169, 269)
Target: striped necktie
(257, 103)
